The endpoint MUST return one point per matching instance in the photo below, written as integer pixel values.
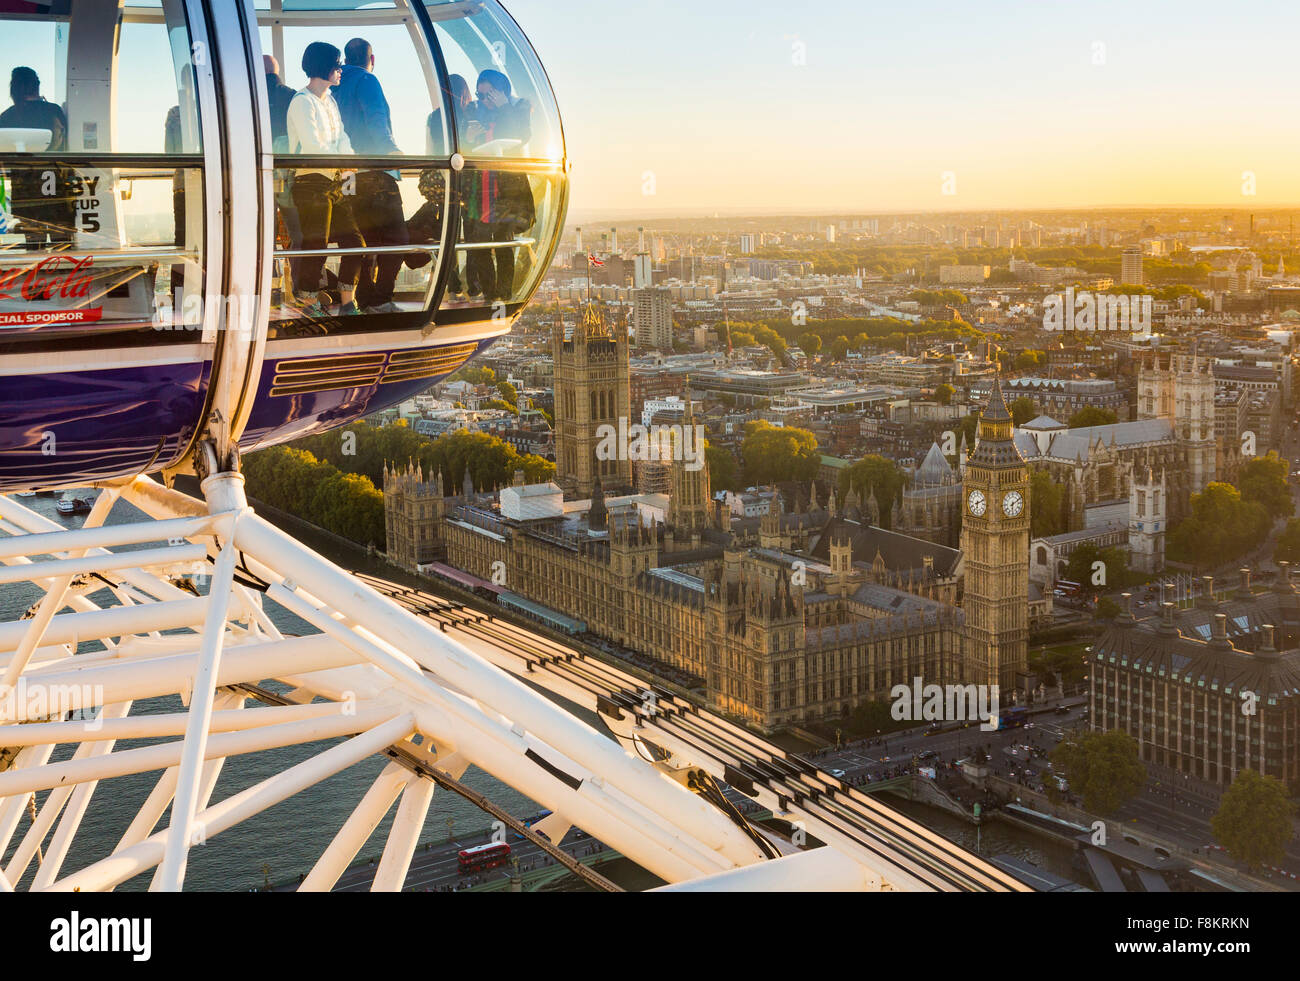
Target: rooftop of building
(900, 553)
(1181, 644)
(1074, 444)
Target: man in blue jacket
(378, 205)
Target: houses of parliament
(797, 615)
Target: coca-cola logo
(63, 276)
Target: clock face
(1013, 504)
(977, 503)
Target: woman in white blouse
(324, 211)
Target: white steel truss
(387, 680)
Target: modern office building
(1210, 691)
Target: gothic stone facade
(592, 390)
(768, 651)
(413, 514)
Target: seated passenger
(324, 211)
(45, 216)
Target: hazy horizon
(737, 108)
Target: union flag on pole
(594, 261)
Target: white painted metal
(817, 870)
(385, 674)
(226, 495)
(358, 828)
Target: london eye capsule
(255, 220)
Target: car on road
(837, 774)
(1062, 710)
(929, 754)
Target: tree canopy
(1112, 573)
(1022, 410)
(475, 375)
(365, 449)
(1030, 360)
(1222, 526)
(724, 472)
(1288, 544)
(1046, 500)
(1263, 481)
(775, 453)
(296, 482)
(509, 394)
(1102, 767)
(1092, 416)
(1254, 819)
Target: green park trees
(724, 473)
(509, 394)
(475, 375)
(1222, 526)
(1102, 767)
(1091, 416)
(1046, 503)
(1030, 361)
(365, 449)
(1098, 570)
(773, 453)
(296, 482)
(337, 477)
(1254, 819)
(1263, 480)
(1288, 545)
(1022, 410)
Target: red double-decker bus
(482, 857)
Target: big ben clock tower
(995, 543)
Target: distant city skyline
(716, 108)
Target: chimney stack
(1126, 617)
(1206, 600)
(1283, 584)
(1167, 618)
(1219, 632)
(1243, 590)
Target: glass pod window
(101, 184)
(351, 85)
(504, 105)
